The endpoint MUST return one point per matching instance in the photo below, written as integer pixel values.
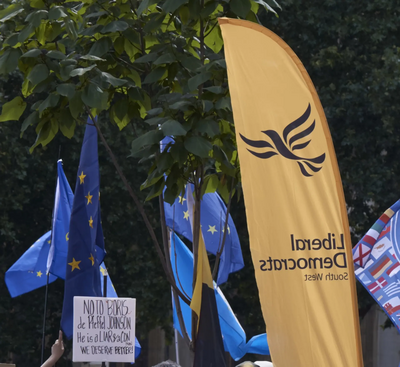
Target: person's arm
(57, 350)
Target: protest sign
(104, 329)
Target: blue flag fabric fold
(29, 271)
(212, 220)
(82, 274)
(376, 262)
(56, 262)
(234, 337)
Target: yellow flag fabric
(296, 214)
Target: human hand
(57, 350)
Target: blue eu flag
(29, 271)
(60, 227)
(85, 249)
(212, 220)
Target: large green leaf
(115, 82)
(81, 71)
(171, 5)
(39, 73)
(13, 110)
(9, 60)
(94, 97)
(46, 133)
(67, 123)
(67, 90)
(32, 119)
(116, 26)
(240, 7)
(198, 146)
(173, 128)
(149, 138)
(101, 47)
(57, 12)
(201, 78)
(155, 75)
(32, 53)
(50, 101)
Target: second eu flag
(83, 260)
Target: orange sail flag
(296, 214)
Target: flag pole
(44, 319)
(103, 364)
(48, 273)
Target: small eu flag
(212, 220)
(85, 249)
(29, 272)
(60, 226)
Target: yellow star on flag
(39, 274)
(103, 271)
(82, 178)
(49, 241)
(181, 199)
(74, 264)
(89, 198)
(229, 230)
(66, 236)
(186, 215)
(211, 229)
(91, 258)
(91, 222)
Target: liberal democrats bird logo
(287, 146)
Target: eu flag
(60, 227)
(29, 271)
(212, 220)
(85, 249)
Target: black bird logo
(287, 146)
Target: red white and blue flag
(376, 262)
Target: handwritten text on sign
(104, 329)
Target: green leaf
(11, 15)
(26, 32)
(198, 146)
(67, 90)
(32, 119)
(146, 58)
(115, 82)
(201, 78)
(54, 54)
(32, 53)
(67, 123)
(10, 9)
(57, 12)
(154, 22)
(207, 126)
(76, 104)
(165, 59)
(45, 134)
(266, 6)
(154, 111)
(81, 71)
(156, 189)
(50, 101)
(224, 104)
(210, 184)
(240, 7)
(92, 58)
(36, 17)
(9, 60)
(94, 97)
(155, 75)
(101, 47)
(155, 121)
(215, 89)
(173, 128)
(116, 26)
(39, 73)
(13, 110)
(12, 40)
(71, 29)
(171, 5)
(181, 105)
(214, 40)
(149, 138)
(179, 153)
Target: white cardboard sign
(104, 329)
